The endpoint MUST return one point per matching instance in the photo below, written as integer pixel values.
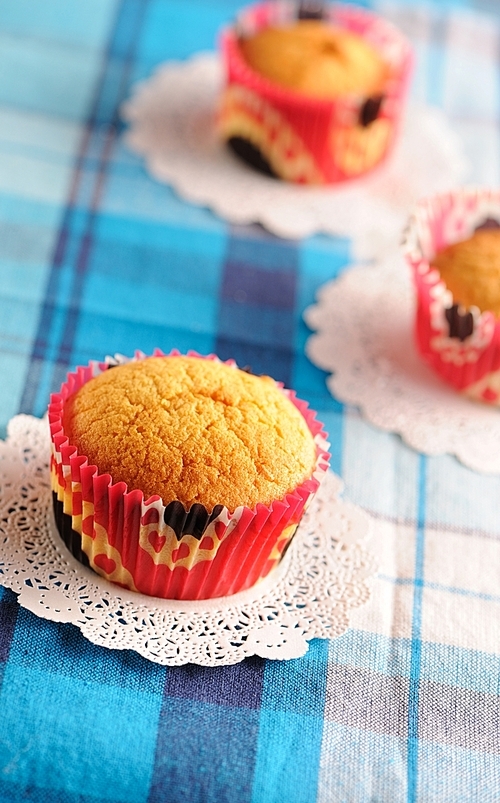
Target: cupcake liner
(165, 550)
(309, 140)
(462, 345)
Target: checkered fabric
(95, 257)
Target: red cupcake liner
(462, 345)
(165, 550)
(309, 140)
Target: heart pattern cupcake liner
(163, 549)
(310, 140)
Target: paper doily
(171, 118)
(364, 336)
(321, 578)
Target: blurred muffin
(312, 101)
(471, 270)
(453, 247)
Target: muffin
(315, 59)
(180, 476)
(308, 100)
(453, 247)
(470, 270)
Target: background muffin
(316, 59)
(183, 477)
(452, 246)
(470, 270)
(313, 101)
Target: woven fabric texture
(95, 257)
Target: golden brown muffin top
(316, 59)
(193, 430)
(471, 270)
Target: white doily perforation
(364, 339)
(171, 118)
(321, 578)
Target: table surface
(95, 257)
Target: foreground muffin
(312, 101)
(179, 476)
(453, 247)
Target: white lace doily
(322, 576)
(364, 337)
(171, 118)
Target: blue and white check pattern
(95, 257)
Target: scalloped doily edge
(282, 626)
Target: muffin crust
(191, 429)
(316, 59)
(471, 270)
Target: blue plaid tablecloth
(95, 257)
